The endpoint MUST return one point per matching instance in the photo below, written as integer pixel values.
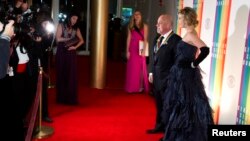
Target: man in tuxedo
(162, 59)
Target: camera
(27, 22)
(23, 21)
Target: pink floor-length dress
(136, 66)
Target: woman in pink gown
(136, 71)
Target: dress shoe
(155, 131)
(47, 119)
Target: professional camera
(2, 16)
(7, 13)
(23, 19)
(26, 21)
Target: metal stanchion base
(44, 132)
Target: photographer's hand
(38, 39)
(18, 4)
(1, 26)
(9, 29)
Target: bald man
(163, 55)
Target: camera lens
(21, 29)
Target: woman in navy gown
(185, 97)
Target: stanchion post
(43, 131)
(50, 54)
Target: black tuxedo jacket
(162, 61)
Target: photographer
(44, 30)
(11, 120)
(29, 53)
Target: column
(99, 26)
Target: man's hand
(150, 78)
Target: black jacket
(163, 60)
(4, 56)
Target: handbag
(71, 42)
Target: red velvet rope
(35, 108)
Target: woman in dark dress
(186, 97)
(66, 67)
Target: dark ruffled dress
(186, 101)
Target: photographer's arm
(4, 56)
(5, 47)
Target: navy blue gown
(187, 112)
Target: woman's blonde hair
(190, 16)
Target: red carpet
(109, 114)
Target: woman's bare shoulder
(193, 39)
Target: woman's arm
(198, 43)
(128, 41)
(201, 54)
(81, 41)
(127, 44)
(145, 28)
(59, 32)
(145, 32)
(79, 35)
